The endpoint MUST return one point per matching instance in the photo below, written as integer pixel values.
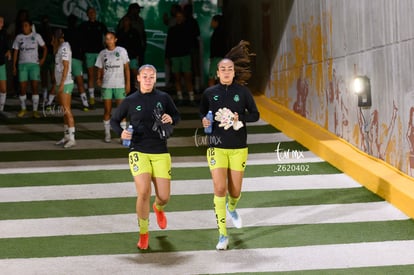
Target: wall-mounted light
(362, 87)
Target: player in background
(113, 77)
(64, 85)
(26, 60)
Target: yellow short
(158, 165)
(233, 159)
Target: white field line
(178, 187)
(299, 258)
(196, 141)
(203, 219)
(122, 163)
(94, 126)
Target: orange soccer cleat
(143, 241)
(161, 219)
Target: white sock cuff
(35, 100)
(2, 101)
(23, 99)
(180, 95)
(66, 131)
(191, 95)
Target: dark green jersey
(139, 108)
(236, 98)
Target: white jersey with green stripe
(28, 46)
(112, 63)
(64, 53)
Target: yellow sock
(143, 226)
(233, 202)
(220, 210)
(159, 207)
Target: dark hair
(218, 18)
(188, 10)
(241, 57)
(58, 33)
(72, 18)
(22, 12)
(111, 32)
(44, 18)
(134, 7)
(90, 8)
(28, 21)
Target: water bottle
(127, 142)
(209, 129)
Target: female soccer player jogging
(152, 113)
(233, 106)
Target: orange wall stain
(307, 58)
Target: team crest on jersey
(138, 108)
(236, 98)
(117, 54)
(159, 105)
(216, 97)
